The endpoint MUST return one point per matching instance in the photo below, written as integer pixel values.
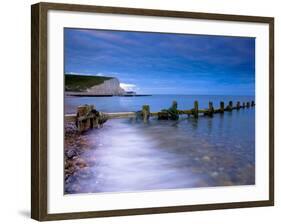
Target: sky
(164, 63)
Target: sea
(127, 155)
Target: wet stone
(214, 174)
(71, 153)
(70, 179)
(75, 157)
(80, 163)
(206, 158)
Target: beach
(126, 155)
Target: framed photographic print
(139, 111)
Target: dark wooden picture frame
(39, 110)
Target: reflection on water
(127, 155)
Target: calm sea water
(127, 155)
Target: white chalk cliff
(108, 87)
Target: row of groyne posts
(87, 117)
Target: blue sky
(157, 63)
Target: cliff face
(108, 87)
(92, 85)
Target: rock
(70, 170)
(214, 174)
(67, 164)
(71, 153)
(70, 179)
(206, 158)
(75, 157)
(80, 163)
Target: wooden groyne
(87, 117)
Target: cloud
(154, 60)
(115, 37)
(128, 86)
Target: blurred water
(127, 155)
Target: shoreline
(87, 94)
(74, 147)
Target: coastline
(75, 145)
(93, 167)
(88, 94)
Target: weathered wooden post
(145, 113)
(83, 122)
(211, 109)
(253, 104)
(174, 104)
(173, 111)
(196, 109)
(243, 105)
(163, 115)
(248, 104)
(222, 107)
(92, 121)
(229, 106)
(238, 105)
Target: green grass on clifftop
(79, 83)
